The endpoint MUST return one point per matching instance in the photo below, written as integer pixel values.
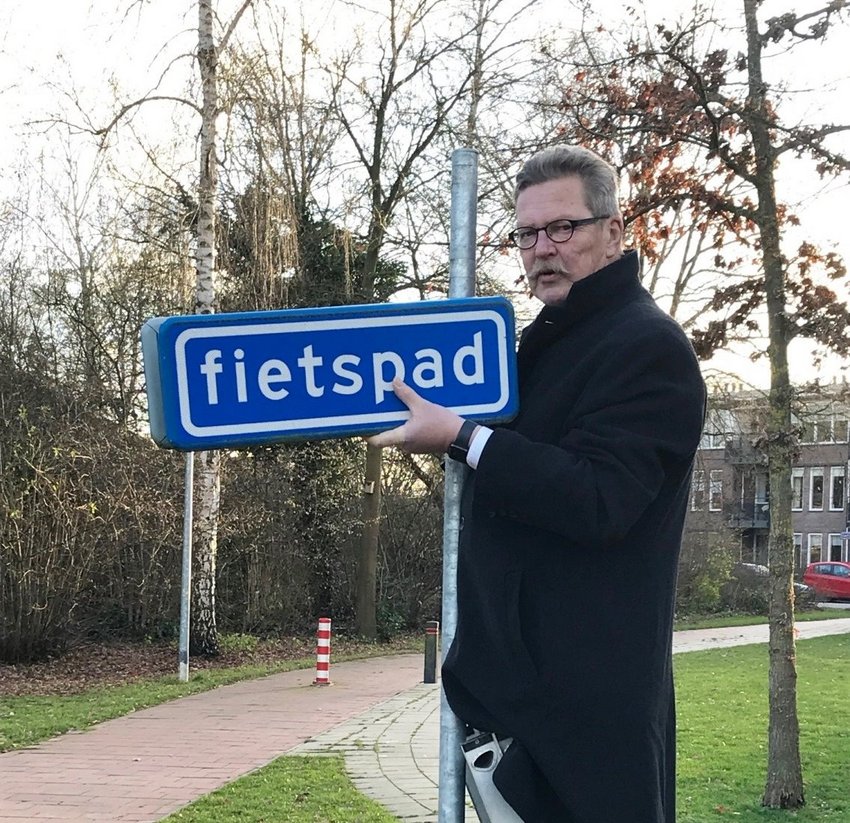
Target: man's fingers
(392, 437)
(398, 436)
(404, 393)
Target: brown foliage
(675, 119)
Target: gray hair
(598, 175)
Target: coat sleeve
(636, 424)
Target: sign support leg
(461, 284)
(186, 581)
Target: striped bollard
(323, 653)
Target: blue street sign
(231, 380)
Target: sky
(52, 51)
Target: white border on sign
(340, 323)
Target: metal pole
(461, 284)
(186, 582)
(845, 553)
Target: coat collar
(612, 286)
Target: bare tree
(208, 54)
(396, 98)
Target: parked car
(748, 589)
(830, 580)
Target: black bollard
(432, 634)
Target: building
(730, 489)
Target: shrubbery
(91, 534)
(705, 565)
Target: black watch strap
(460, 447)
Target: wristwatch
(460, 447)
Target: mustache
(542, 267)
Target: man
(572, 518)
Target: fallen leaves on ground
(90, 665)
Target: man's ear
(614, 232)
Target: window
(836, 488)
(761, 548)
(698, 491)
(797, 490)
(713, 435)
(720, 426)
(798, 551)
(834, 547)
(816, 490)
(715, 490)
(815, 547)
(809, 434)
(823, 429)
(762, 485)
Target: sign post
(186, 575)
(461, 284)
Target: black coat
(570, 534)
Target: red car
(829, 580)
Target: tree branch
(233, 23)
(103, 132)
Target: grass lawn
(722, 696)
(291, 789)
(722, 710)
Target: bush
(91, 541)
(47, 534)
(748, 590)
(704, 567)
(238, 643)
(410, 570)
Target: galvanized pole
(186, 583)
(461, 284)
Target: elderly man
(572, 518)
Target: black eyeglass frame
(574, 224)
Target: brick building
(729, 494)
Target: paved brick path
(146, 765)
(392, 753)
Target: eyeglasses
(558, 231)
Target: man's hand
(430, 429)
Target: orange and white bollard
(323, 653)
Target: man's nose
(544, 246)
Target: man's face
(551, 267)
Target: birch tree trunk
(208, 480)
(208, 475)
(784, 786)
